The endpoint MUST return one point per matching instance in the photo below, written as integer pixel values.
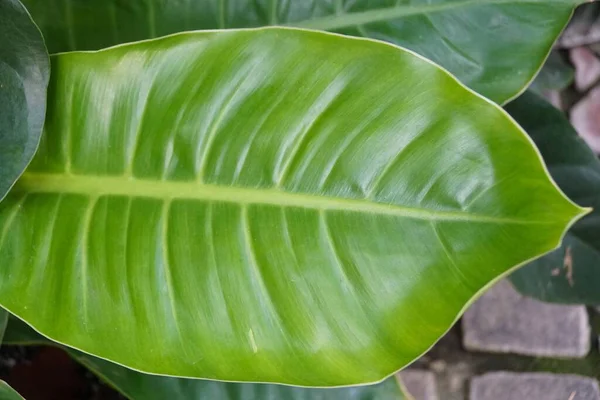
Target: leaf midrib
(389, 13)
(94, 186)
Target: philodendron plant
(262, 205)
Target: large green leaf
(24, 70)
(480, 41)
(137, 386)
(270, 205)
(571, 274)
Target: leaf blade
(299, 292)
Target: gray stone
(583, 29)
(554, 97)
(533, 386)
(585, 117)
(587, 67)
(504, 321)
(420, 384)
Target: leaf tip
(583, 211)
(579, 213)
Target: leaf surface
(570, 274)
(479, 41)
(318, 208)
(24, 71)
(137, 386)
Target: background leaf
(3, 322)
(556, 74)
(481, 42)
(319, 208)
(24, 70)
(570, 274)
(138, 386)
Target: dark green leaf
(138, 386)
(494, 46)
(18, 333)
(24, 70)
(556, 74)
(3, 322)
(318, 208)
(571, 274)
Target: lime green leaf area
(479, 41)
(268, 205)
(24, 74)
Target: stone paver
(420, 384)
(554, 97)
(583, 29)
(587, 67)
(504, 321)
(585, 117)
(533, 386)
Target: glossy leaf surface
(571, 274)
(318, 208)
(137, 386)
(481, 42)
(24, 70)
